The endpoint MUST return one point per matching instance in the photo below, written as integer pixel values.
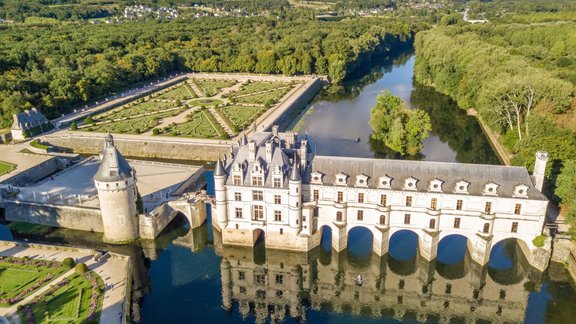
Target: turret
(540, 169)
(295, 197)
(115, 181)
(220, 193)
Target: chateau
(273, 187)
(28, 123)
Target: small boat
(358, 140)
(359, 280)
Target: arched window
(339, 216)
(486, 228)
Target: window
(448, 290)
(432, 224)
(360, 197)
(360, 215)
(434, 203)
(238, 196)
(383, 200)
(257, 195)
(260, 294)
(382, 219)
(278, 215)
(238, 212)
(488, 207)
(401, 284)
(257, 181)
(514, 227)
(237, 180)
(241, 275)
(279, 279)
(339, 216)
(409, 201)
(281, 231)
(459, 204)
(257, 212)
(276, 183)
(315, 195)
(486, 228)
(340, 196)
(242, 289)
(517, 209)
(457, 222)
(260, 279)
(277, 199)
(407, 219)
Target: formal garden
(197, 107)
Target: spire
(244, 139)
(219, 171)
(109, 140)
(295, 174)
(113, 166)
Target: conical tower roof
(219, 171)
(244, 140)
(113, 166)
(295, 173)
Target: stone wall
(36, 173)
(78, 218)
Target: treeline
(57, 67)
(520, 80)
(19, 10)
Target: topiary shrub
(155, 131)
(69, 263)
(81, 268)
(88, 120)
(73, 126)
(539, 240)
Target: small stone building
(29, 123)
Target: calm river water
(188, 277)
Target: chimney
(275, 130)
(540, 169)
(269, 151)
(303, 153)
(251, 151)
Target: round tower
(220, 193)
(540, 169)
(295, 198)
(115, 181)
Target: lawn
(212, 87)
(70, 302)
(133, 126)
(6, 167)
(179, 93)
(257, 86)
(138, 109)
(19, 277)
(262, 98)
(204, 102)
(199, 124)
(242, 116)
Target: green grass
(138, 109)
(264, 97)
(36, 143)
(6, 167)
(205, 102)
(179, 93)
(242, 116)
(212, 87)
(198, 125)
(133, 126)
(257, 86)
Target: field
(199, 124)
(6, 167)
(21, 277)
(242, 116)
(212, 87)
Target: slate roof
(113, 166)
(28, 119)
(478, 175)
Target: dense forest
(521, 79)
(55, 68)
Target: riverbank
(503, 155)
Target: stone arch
(259, 245)
(453, 257)
(403, 264)
(359, 244)
(509, 260)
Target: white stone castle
(273, 186)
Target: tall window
(237, 180)
(459, 204)
(241, 275)
(238, 212)
(257, 181)
(457, 222)
(340, 196)
(432, 224)
(277, 183)
(257, 195)
(257, 212)
(517, 209)
(315, 195)
(409, 201)
(486, 228)
(278, 215)
(277, 199)
(382, 200)
(339, 216)
(434, 203)
(488, 207)
(279, 279)
(382, 219)
(238, 196)
(360, 197)
(514, 227)
(407, 219)
(360, 215)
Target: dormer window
(521, 191)
(341, 179)
(436, 185)
(490, 189)
(410, 183)
(317, 177)
(362, 180)
(461, 187)
(384, 182)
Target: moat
(187, 276)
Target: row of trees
(57, 67)
(514, 93)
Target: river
(187, 276)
